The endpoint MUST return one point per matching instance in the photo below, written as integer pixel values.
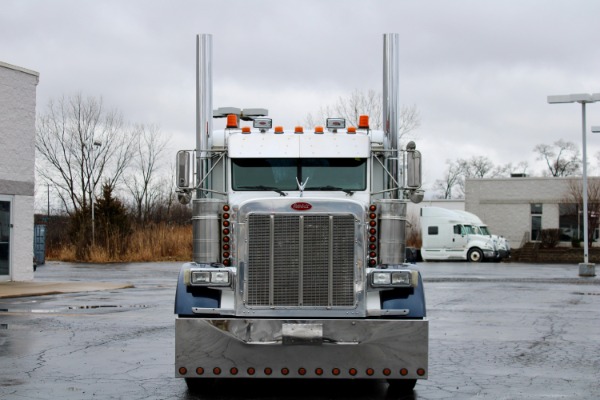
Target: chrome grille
(305, 260)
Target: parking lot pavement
(497, 331)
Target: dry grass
(150, 243)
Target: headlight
(210, 277)
(394, 278)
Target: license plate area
(293, 334)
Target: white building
(17, 159)
(519, 208)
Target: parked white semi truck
(299, 247)
(458, 235)
(501, 243)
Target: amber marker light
(232, 121)
(351, 130)
(279, 129)
(319, 129)
(363, 122)
(298, 129)
(245, 129)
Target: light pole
(97, 143)
(583, 99)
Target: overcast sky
(478, 71)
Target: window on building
(569, 222)
(536, 221)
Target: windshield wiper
(261, 187)
(329, 187)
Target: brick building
(17, 158)
(519, 208)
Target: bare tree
(80, 145)
(369, 103)
(574, 195)
(141, 182)
(451, 179)
(562, 158)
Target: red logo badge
(301, 206)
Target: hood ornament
(301, 186)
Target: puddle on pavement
(75, 308)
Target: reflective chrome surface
(329, 344)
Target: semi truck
(458, 235)
(501, 243)
(298, 266)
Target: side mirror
(183, 169)
(413, 167)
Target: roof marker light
(279, 129)
(232, 121)
(298, 129)
(351, 130)
(363, 122)
(319, 129)
(245, 129)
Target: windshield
(346, 174)
(485, 231)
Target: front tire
(475, 255)
(200, 385)
(402, 385)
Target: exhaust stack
(203, 109)
(391, 112)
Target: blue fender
(188, 297)
(412, 299)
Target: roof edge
(20, 69)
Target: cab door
(459, 238)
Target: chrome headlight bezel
(393, 278)
(209, 277)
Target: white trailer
(449, 235)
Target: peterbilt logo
(301, 206)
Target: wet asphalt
(497, 331)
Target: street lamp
(97, 143)
(583, 99)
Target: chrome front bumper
(320, 348)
